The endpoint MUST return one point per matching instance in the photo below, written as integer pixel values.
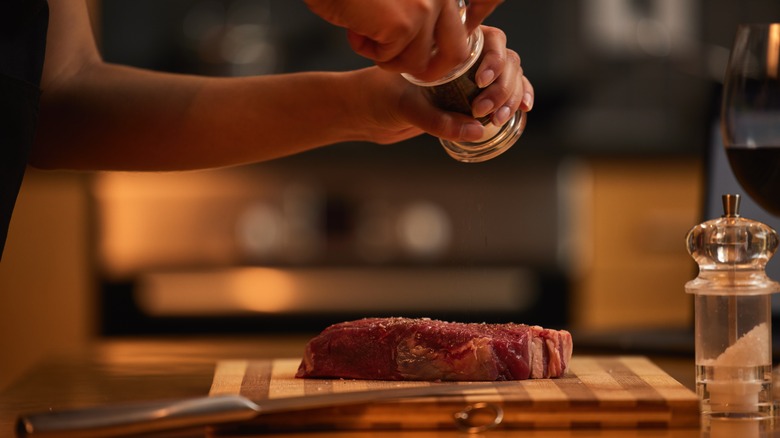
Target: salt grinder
(456, 90)
(732, 302)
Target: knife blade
(160, 416)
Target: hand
(506, 89)
(395, 110)
(400, 35)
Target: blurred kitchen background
(579, 225)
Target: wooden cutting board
(598, 392)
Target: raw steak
(426, 349)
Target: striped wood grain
(597, 392)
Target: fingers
(505, 90)
(500, 74)
(451, 40)
(391, 47)
(439, 45)
(478, 10)
(494, 56)
(415, 55)
(419, 111)
(425, 38)
(451, 126)
(528, 95)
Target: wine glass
(750, 126)
(750, 117)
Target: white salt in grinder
(732, 299)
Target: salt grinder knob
(730, 205)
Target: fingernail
(483, 107)
(528, 101)
(472, 131)
(485, 78)
(502, 115)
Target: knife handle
(127, 419)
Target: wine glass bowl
(750, 112)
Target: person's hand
(393, 109)
(500, 74)
(425, 38)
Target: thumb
(477, 11)
(443, 124)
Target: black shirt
(23, 25)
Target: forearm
(102, 119)
(96, 115)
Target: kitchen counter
(125, 370)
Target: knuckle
(495, 33)
(513, 57)
(502, 89)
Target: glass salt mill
(456, 90)
(732, 302)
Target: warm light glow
(283, 290)
(773, 52)
(157, 220)
(263, 290)
(424, 229)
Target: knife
(160, 416)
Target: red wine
(758, 171)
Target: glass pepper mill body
(455, 92)
(732, 300)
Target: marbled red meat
(426, 349)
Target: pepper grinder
(732, 311)
(455, 92)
